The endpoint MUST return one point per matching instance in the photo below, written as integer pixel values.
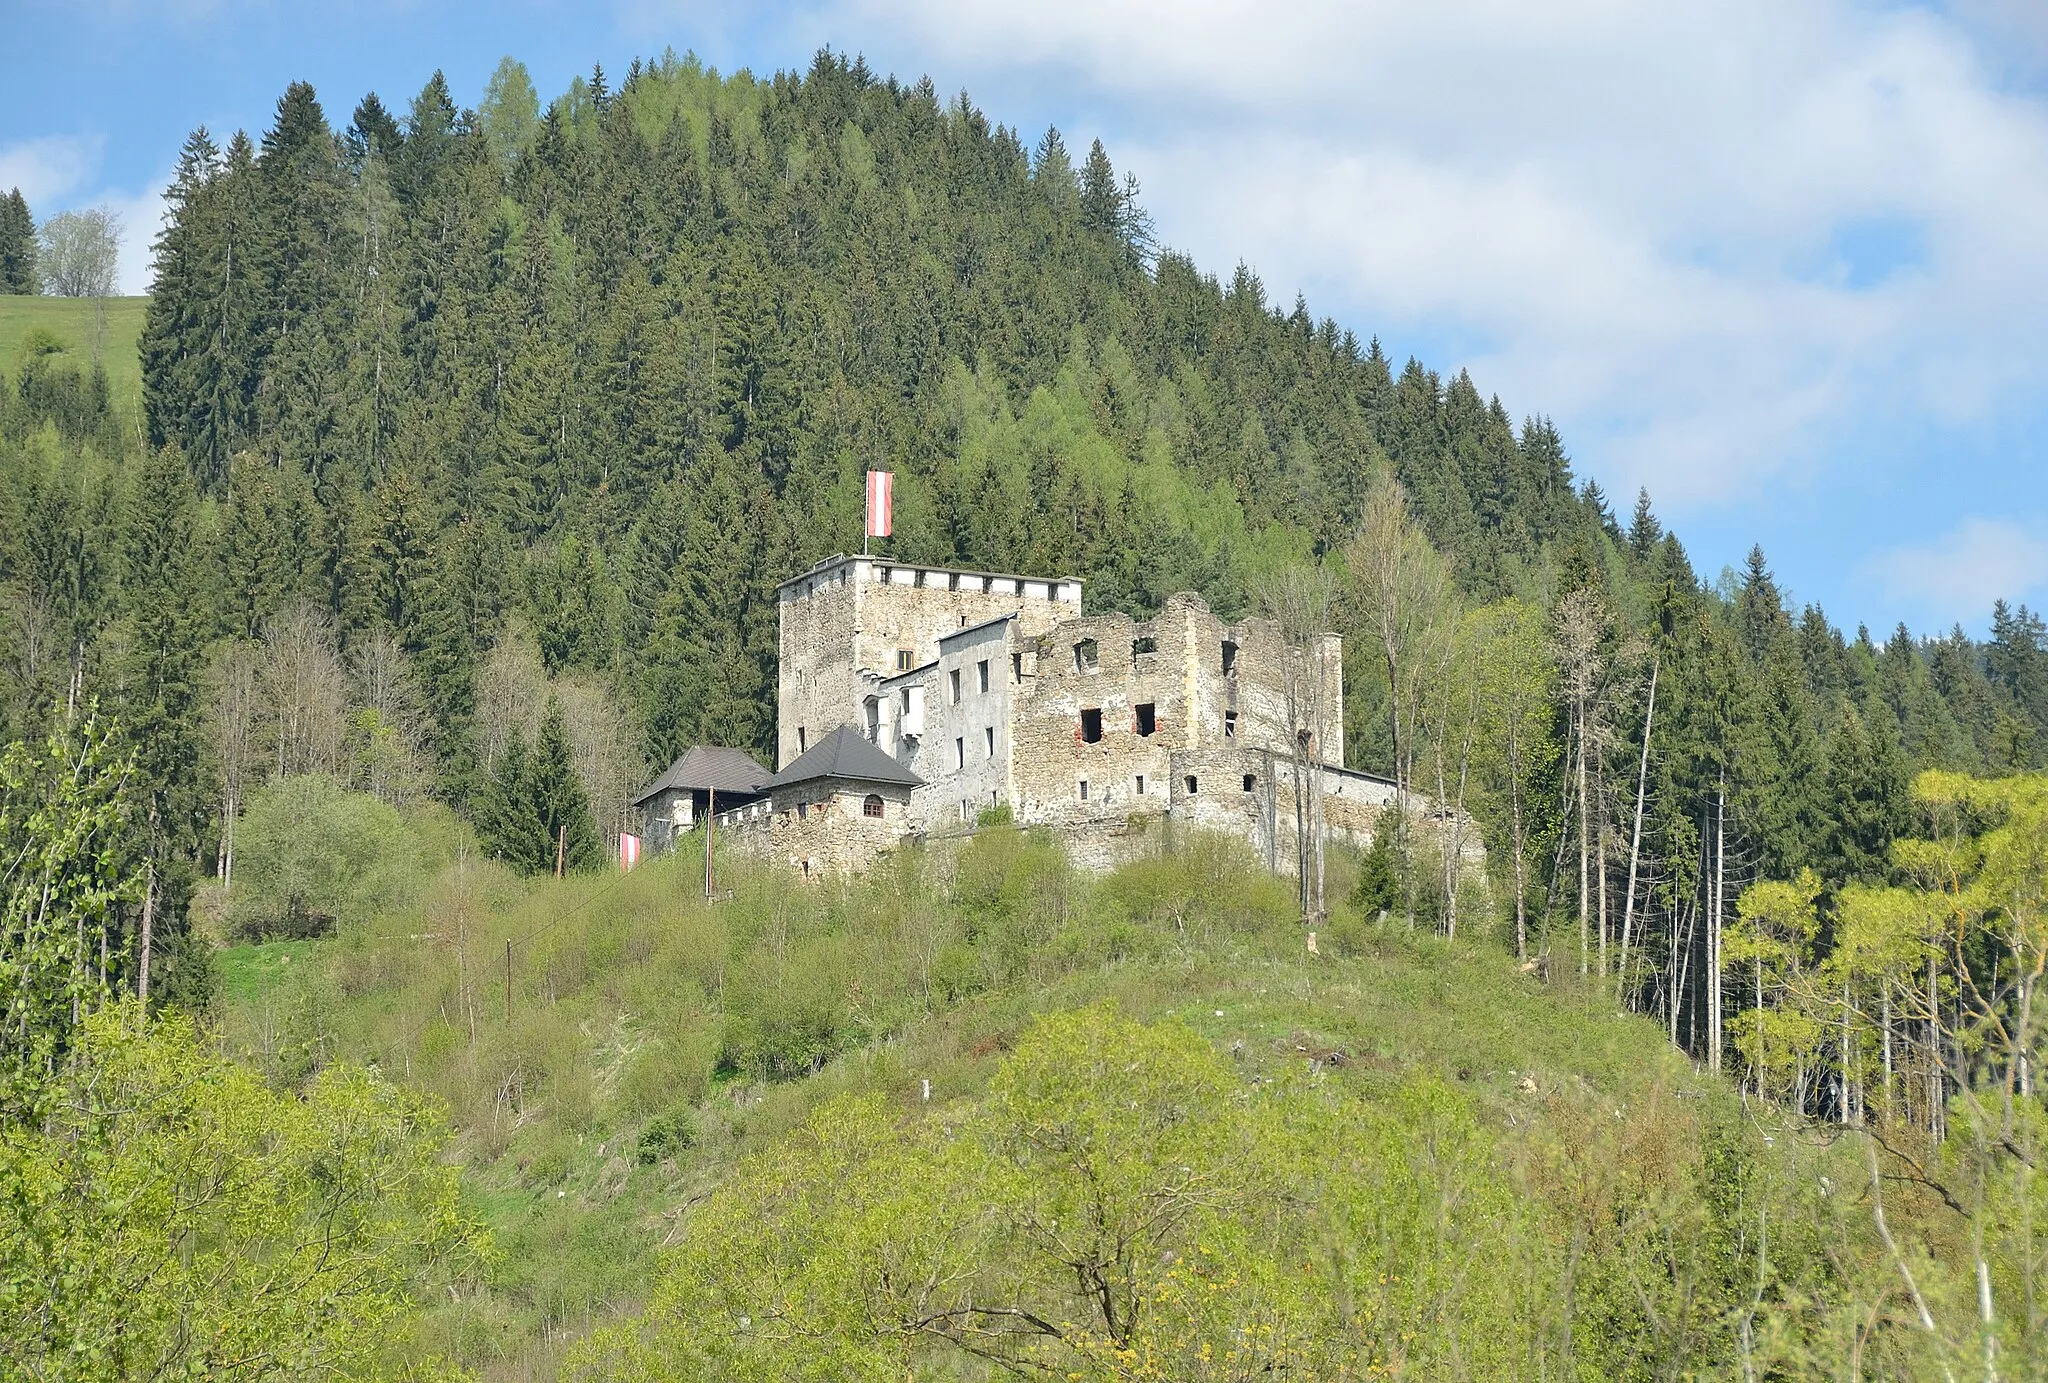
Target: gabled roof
(711, 767)
(845, 753)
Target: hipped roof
(845, 753)
(710, 767)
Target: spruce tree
(507, 816)
(17, 245)
(560, 805)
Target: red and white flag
(629, 850)
(881, 494)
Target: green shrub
(310, 855)
(673, 1133)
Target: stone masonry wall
(819, 828)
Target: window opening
(871, 805)
(1191, 784)
(1091, 725)
(801, 736)
(953, 686)
(1229, 657)
(1016, 667)
(1144, 643)
(1141, 785)
(803, 811)
(1143, 719)
(1230, 725)
(988, 740)
(903, 660)
(981, 675)
(960, 753)
(1084, 789)
(1250, 782)
(1085, 656)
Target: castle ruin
(912, 699)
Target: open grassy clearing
(75, 323)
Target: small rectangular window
(1250, 782)
(1084, 789)
(988, 740)
(1143, 719)
(803, 811)
(1144, 643)
(1229, 657)
(1016, 667)
(1230, 725)
(903, 660)
(981, 676)
(1191, 785)
(959, 753)
(801, 737)
(1085, 656)
(1091, 725)
(963, 808)
(953, 687)
(1141, 785)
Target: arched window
(872, 806)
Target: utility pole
(561, 847)
(508, 981)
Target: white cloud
(50, 167)
(1979, 561)
(141, 217)
(1630, 215)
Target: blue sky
(1787, 266)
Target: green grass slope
(654, 1041)
(77, 323)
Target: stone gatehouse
(989, 690)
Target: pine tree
(17, 245)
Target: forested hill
(455, 416)
(618, 368)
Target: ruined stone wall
(819, 828)
(1080, 751)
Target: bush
(311, 854)
(673, 1133)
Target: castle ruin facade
(985, 691)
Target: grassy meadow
(76, 323)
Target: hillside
(473, 446)
(655, 1042)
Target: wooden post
(508, 980)
(561, 846)
(710, 826)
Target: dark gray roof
(845, 753)
(709, 766)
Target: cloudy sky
(1784, 265)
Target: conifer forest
(470, 447)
